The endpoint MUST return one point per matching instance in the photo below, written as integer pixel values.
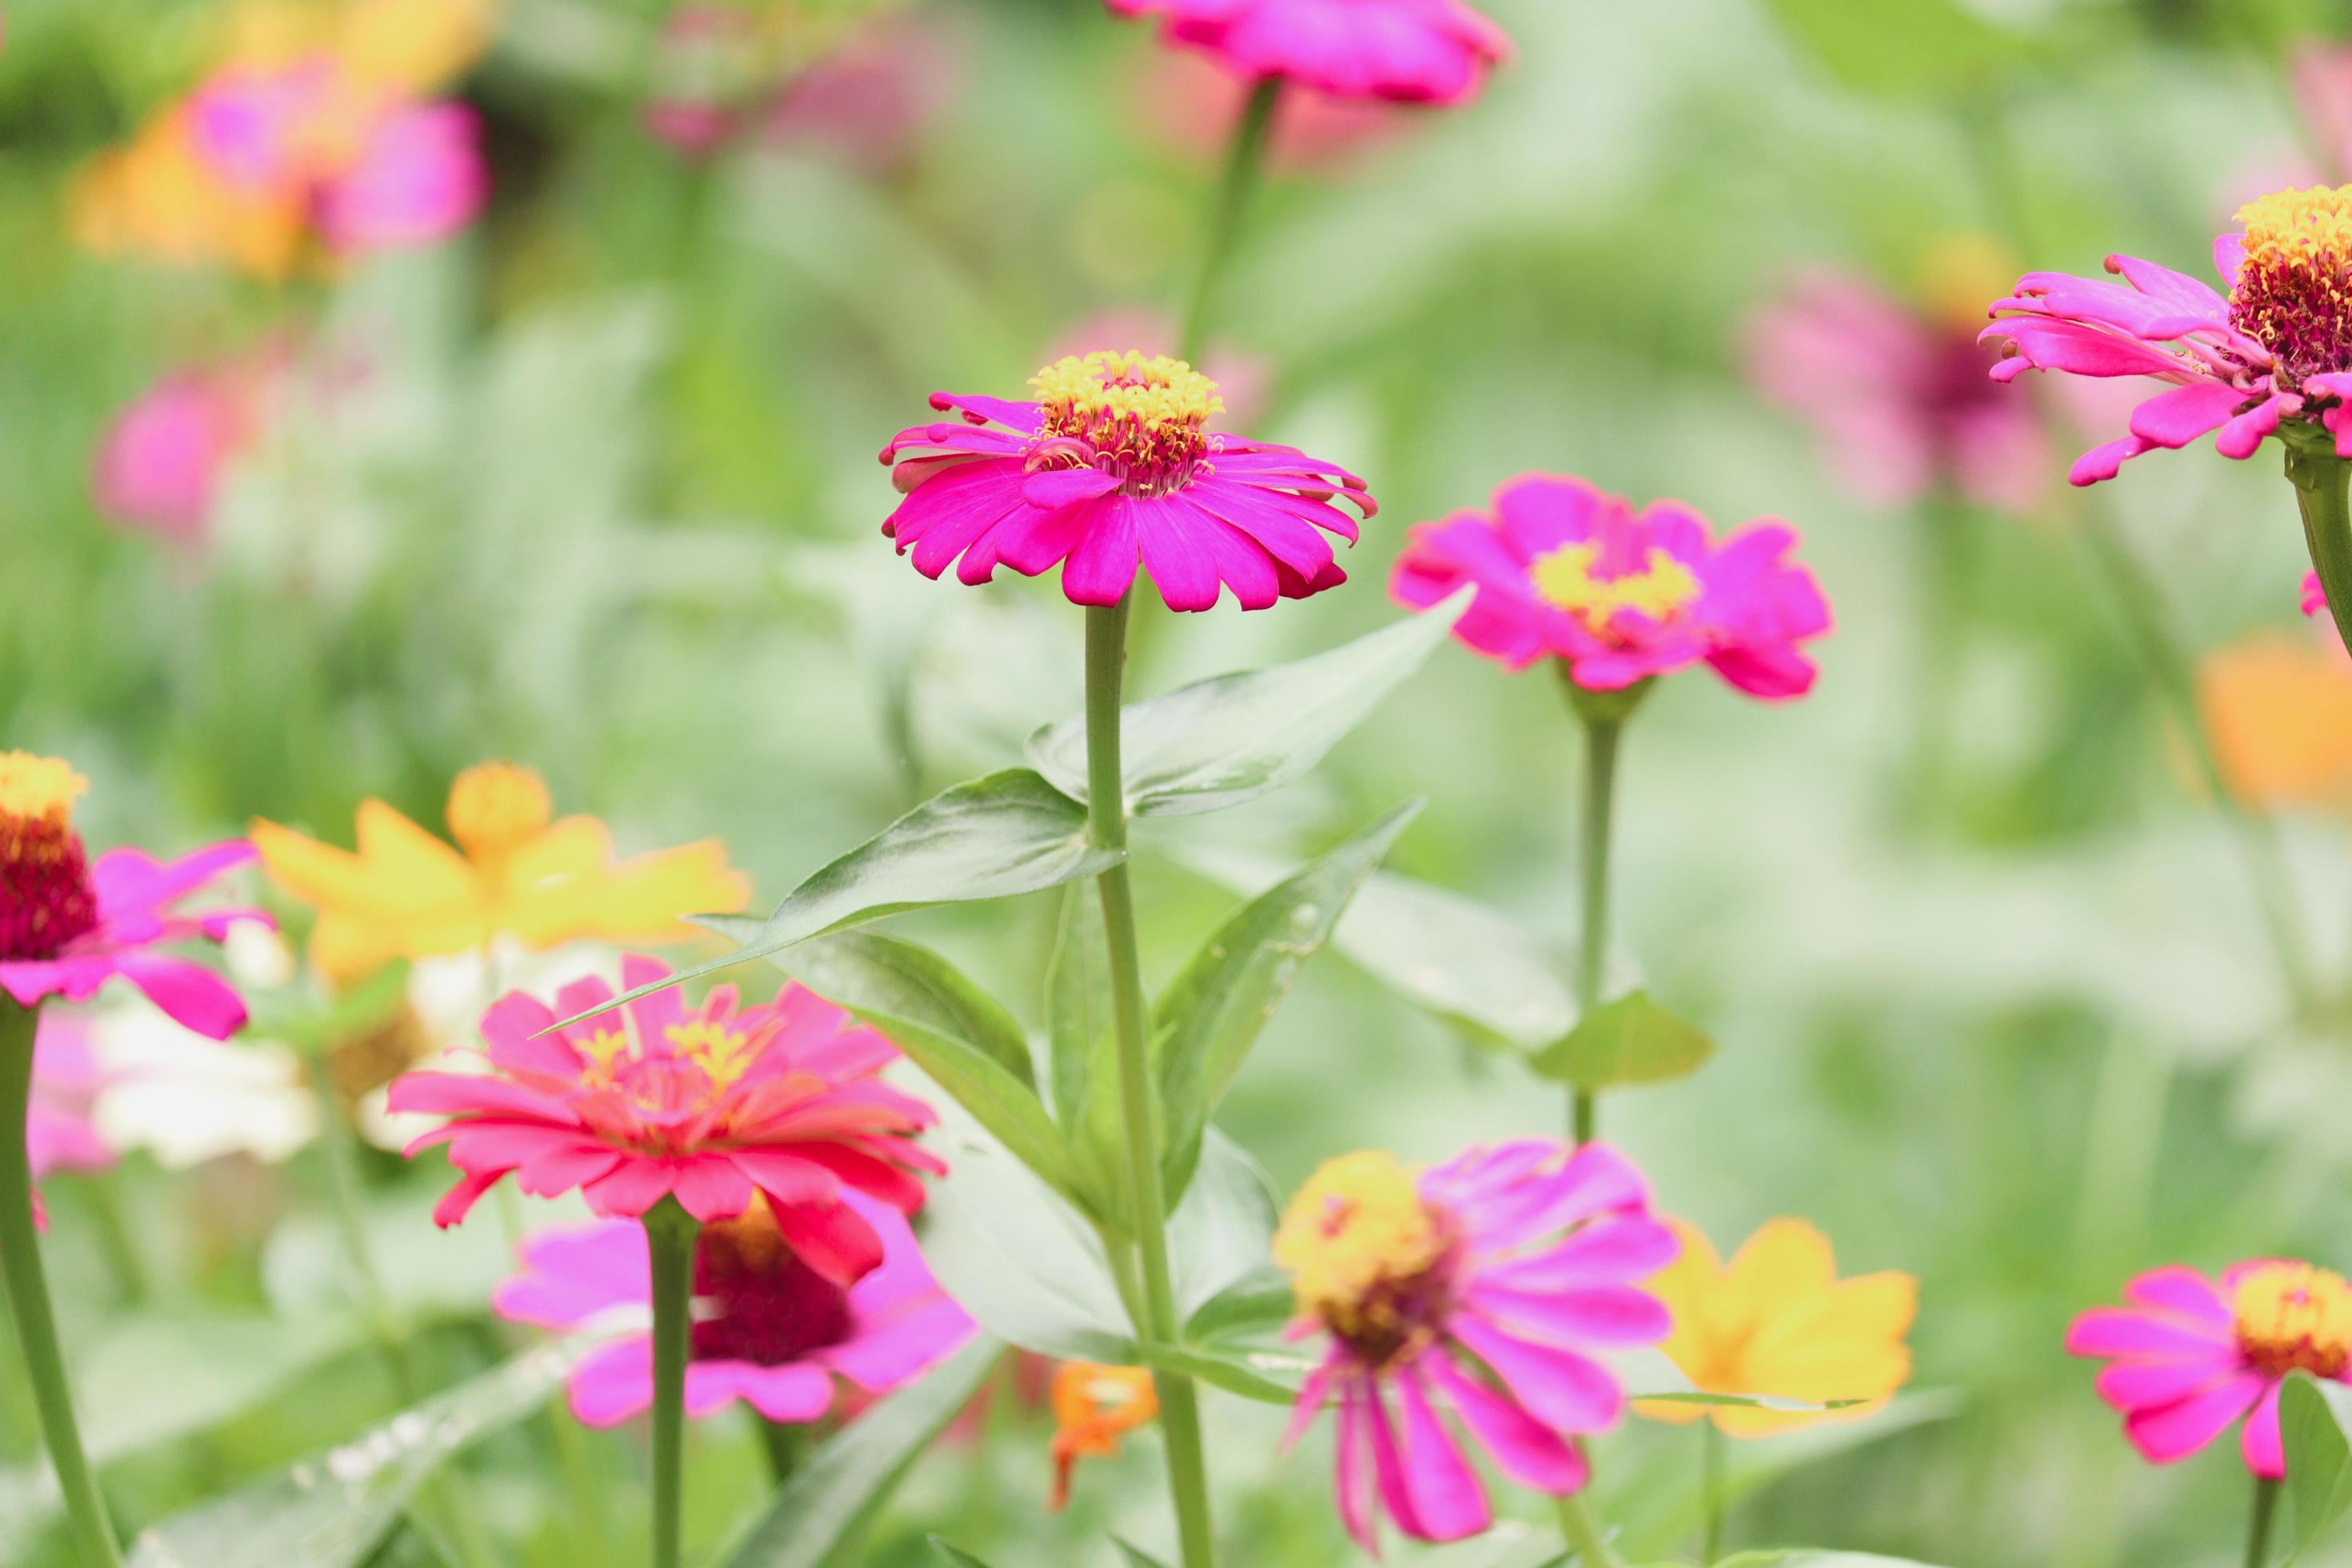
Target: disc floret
(1143, 417)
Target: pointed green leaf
(1269, 1377)
(1077, 998)
(1135, 1556)
(954, 1557)
(1221, 741)
(1632, 1040)
(1223, 1229)
(1259, 1301)
(991, 838)
(1213, 1011)
(1007, 1106)
(833, 1496)
(2313, 1420)
(876, 973)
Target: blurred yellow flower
(1777, 1322)
(407, 894)
(2279, 710)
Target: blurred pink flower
(1414, 51)
(1191, 105)
(1901, 400)
(159, 465)
(59, 1133)
(1566, 571)
(768, 1329)
(2191, 1355)
(2320, 75)
(872, 98)
(709, 63)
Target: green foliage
(1632, 1040)
(955, 1557)
(2315, 1425)
(1918, 48)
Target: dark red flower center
(2293, 293)
(47, 899)
(756, 1301)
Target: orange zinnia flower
(1093, 1407)
(2279, 708)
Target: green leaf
(1077, 998)
(873, 972)
(1221, 741)
(335, 1508)
(1632, 1040)
(991, 838)
(1260, 1300)
(955, 1557)
(1916, 47)
(2313, 1420)
(1135, 1556)
(1269, 1377)
(1223, 1231)
(835, 1495)
(1211, 1013)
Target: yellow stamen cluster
(46, 901)
(721, 1053)
(1357, 1240)
(2294, 1317)
(496, 806)
(2299, 227)
(39, 789)
(1564, 576)
(1142, 416)
(2293, 294)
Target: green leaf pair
(2315, 1425)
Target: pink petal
(2171, 1432)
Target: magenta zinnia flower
(1482, 1288)
(1415, 51)
(768, 1328)
(1565, 570)
(2190, 1354)
(711, 1106)
(60, 1132)
(68, 926)
(2277, 348)
(1113, 465)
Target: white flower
(187, 1099)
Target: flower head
(1093, 1407)
(1115, 465)
(68, 926)
(768, 1328)
(2189, 1354)
(2273, 355)
(1481, 1288)
(1565, 569)
(1777, 1322)
(514, 872)
(1414, 51)
(713, 1106)
(161, 465)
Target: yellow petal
(417, 44)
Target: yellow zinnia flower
(1777, 1322)
(406, 894)
(2279, 709)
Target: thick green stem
(1179, 1415)
(1583, 1536)
(669, 1243)
(2258, 1528)
(28, 1299)
(1604, 715)
(1710, 1491)
(1245, 160)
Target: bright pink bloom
(1571, 571)
(1485, 1289)
(160, 464)
(60, 1134)
(1113, 467)
(768, 1328)
(1899, 398)
(1415, 51)
(2315, 597)
(2190, 1355)
(710, 1106)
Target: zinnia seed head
(494, 807)
(1367, 1254)
(2292, 1317)
(2293, 293)
(45, 897)
(1142, 416)
(1569, 578)
(756, 1301)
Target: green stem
(1583, 1536)
(29, 1296)
(1245, 160)
(669, 1242)
(787, 1444)
(114, 1239)
(2258, 1529)
(1604, 723)
(1949, 552)
(1180, 1415)
(1710, 1491)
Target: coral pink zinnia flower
(711, 1106)
(2190, 1354)
(1415, 51)
(1481, 1288)
(768, 1328)
(68, 926)
(2278, 348)
(1115, 464)
(1567, 569)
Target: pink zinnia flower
(1115, 465)
(159, 465)
(60, 1132)
(2190, 1354)
(768, 1328)
(1484, 1288)
(1898, 396)
(2276, 348)
(1567, 571)
(68, 926)
(711, 1106)
(1415, 51)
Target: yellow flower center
(1565, 577)
(2295, 292)
(1365, 1252)
(1956, 273)
(721, 1053)
(497, 807)
(1141, 416)
(38, 790)
(2294, 1317)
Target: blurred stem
(28, 1298)
(2258, 1529)
(2149, 625)
(1583, 1536)
(1604, 715)
(1710, 1490)
(1949, 550)
(787, 1444)
(1244, 161)
(669, 1243)
(1179, 1415)
(122, 1257)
